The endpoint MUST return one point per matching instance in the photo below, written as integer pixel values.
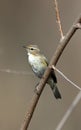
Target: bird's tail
(54, 88)
(56, 92)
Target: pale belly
(37, 66)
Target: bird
(39, 64)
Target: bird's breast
(37, 65)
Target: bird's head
(32, 49)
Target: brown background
(33, 21)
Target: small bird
(39, 63)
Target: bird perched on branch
(39, 63)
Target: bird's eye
(31, 49)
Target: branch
(54, 68)
(58, 19)
(10, 71)
(69, 111)
(44, 79)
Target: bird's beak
(24, 46)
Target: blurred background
(24, 22)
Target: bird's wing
(53, 76)
(45, 61)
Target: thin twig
(66, 78)
(10, 71)
(68, 112)
(58, 19)
(43, 81)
